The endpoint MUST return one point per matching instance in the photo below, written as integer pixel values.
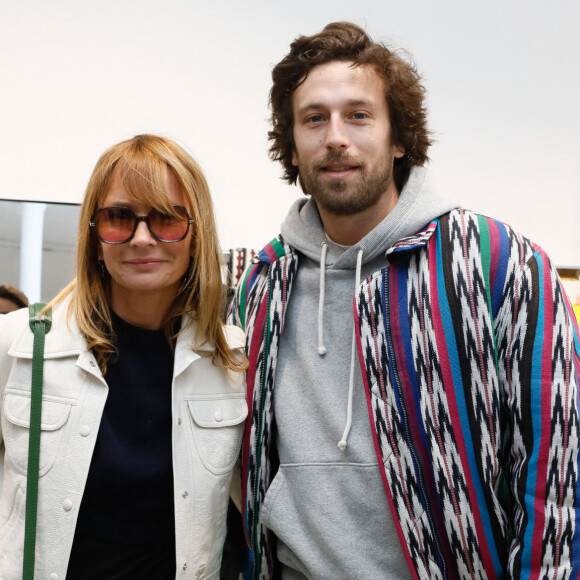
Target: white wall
(502, 77)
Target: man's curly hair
(344, 41)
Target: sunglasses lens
(115, 224)
(167, 227)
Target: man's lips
(339, 170)
(339, 167)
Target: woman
(143, 403)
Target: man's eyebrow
(319, 105)
(360, 102)
(309, 107)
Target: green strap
(39, 324)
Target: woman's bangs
(145, 180)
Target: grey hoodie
(327, 506)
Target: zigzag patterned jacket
(470, 358)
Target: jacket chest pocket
(218, 426)
(16, 430)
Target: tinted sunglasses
(117, 224)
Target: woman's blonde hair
(143, 163)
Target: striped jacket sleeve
(539, 367)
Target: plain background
(502, 78)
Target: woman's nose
(143, 235)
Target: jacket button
(185, 566)
(67, 505)
(184, 495)
(179, 420)
(218, 416)
(53, 576)
(85, 430)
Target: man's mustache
(340, 157)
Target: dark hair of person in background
(11, 299)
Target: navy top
(128, 497)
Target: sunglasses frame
(137, 220)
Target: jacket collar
(64, 338)
(186, 351)
(405, 246)
(278, 248)
(273, 251)
(184, 354)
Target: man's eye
(359, 116)
(315, 119)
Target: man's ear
(398, 151)
(294, 158)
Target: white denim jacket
(209, 409)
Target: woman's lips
(144, 262)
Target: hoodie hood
(417, 205)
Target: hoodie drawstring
(343, 442)
(321, 347)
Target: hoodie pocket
(16, 430)
(218, 426)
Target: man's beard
(341, 197)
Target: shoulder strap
(40, 324)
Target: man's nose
(337, 134)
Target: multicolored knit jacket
(470, 358)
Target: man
(413, 367)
